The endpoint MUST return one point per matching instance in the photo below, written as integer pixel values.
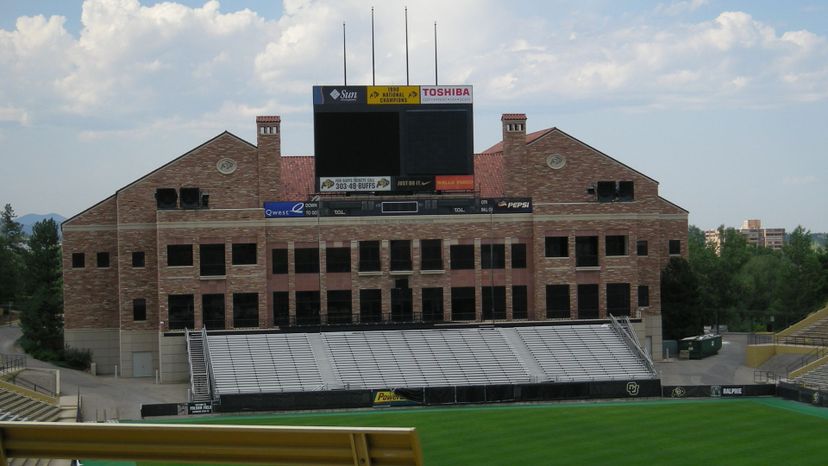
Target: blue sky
(723, 102)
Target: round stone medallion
(556, 161)
(226, 166)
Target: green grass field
(694, 432)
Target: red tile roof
(513, 116)
(297, 177)
(268, 119)
(488, 174)
(530, 138)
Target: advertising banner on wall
(512, 205)
(337, 184)
(339, 95)
(446, 94)
(414, 183)
(454, 182)
(393, 95)
(389, 398)
(284, 209)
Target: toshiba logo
(446, 91)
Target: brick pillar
(515, 155)
(268, 140)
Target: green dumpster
(702, 346)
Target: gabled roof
(530, 138)
(297, 178)
(488, 174)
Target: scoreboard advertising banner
(392, 95)
(371, 208)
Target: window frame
(495, 258)
(519, 251)
(642, 245)
(279, 264)
(400, 253)
(240, 254)
(556, 246)
(139, 308)
(139, 259)
(78, 260)
(212, 268)
(427, 259)
(556, 295)
(181, 247)
(306, 260)
(341, 262)
(458, 259)
(612, 243)
(370, 256)
(102, 260)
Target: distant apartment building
(753, 232)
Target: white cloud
(799, 180)
(680, 7)
(14, 115)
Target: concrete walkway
(726, 368)
(104, 397)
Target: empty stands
(294, 362)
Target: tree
(11, 250)
(802, 284)
(682, 316)
(11, 230)
(41, 319)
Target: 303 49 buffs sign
(338, 184)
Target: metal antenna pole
(406, 47)
(435, 53)
(373, 64)
(344, 56)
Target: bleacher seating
(379, 359)
(818, 331)
(16, 407)
(816, 378)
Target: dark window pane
(557, 246)
(369, 256)
(432, 304)
(616, 245)
(370, 305)
(139, 309)
(431, 254)
(641, 247)
(281, 308)
(618, 299)
(103, 259)
(307, 308)
(587, 301)
(586, 251)
(401, 306)
(339, 307)
(179, 255)
(520, 302)
(462, 303)
(557, 302)
(307, 260)
(78, 260)
(338, 260)
(462, 256)
(401, 255)
(245, 310)
(493, 256)
(138, 259)
(181, 311)
(244, 254)
(643, 295)
(212, 260)
(518, 256)
(212, 308)
(626, 191)
(494, 302)
(280, 261)
(606, 191)
(675, 247)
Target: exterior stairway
(17, 407)
(199, 377)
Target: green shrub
(77, 358)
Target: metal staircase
(200, 390)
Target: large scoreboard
(393, 138)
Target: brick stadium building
(188, 245)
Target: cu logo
(632, 388)
(678, 392)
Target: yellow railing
(211, 444)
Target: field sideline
(693, 432)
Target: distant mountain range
(29, 220)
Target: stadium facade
(239, 238)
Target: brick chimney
(515, 156)
(269, 143)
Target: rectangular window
(307, 260)
(281, 308)
(401, 255)
(586, 251)
(103, 259)
(431, 254)
(606, 191)
(462, 256)
(641, 247)
(139, 309)
(369, 256)
(244, 253)
(432, 304)
(616, 245)
(339, 307)
(618, 299)
(493, 256)
(462, 303)
(557, 246)
(520, 302)
(616, 191)
(179, 255)
(212, 309)
(557, 302)
(280, 261)
(78, 260)
(180, 308)
(370, 306)
(675, 247)
(138, 259)
(338, 260)
(402, 309)
(643, 295)
(518, 255)
(626, 191)
(494, 302)
(307, 308)
(587, 301)
(245, 310)
(212, 260)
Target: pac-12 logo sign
(633, 388)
